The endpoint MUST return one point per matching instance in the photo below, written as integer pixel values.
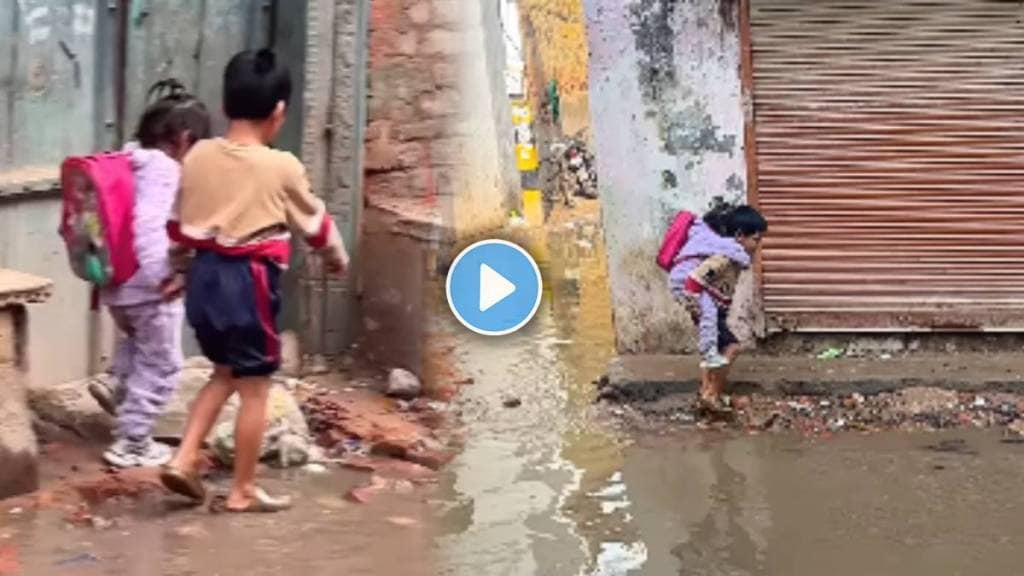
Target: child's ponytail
(172, 112)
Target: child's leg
(707, 338)
(124, 349)
(729, 344)
(719, 377)
(157, 363)
(109, 391)
(205, 410)
(249, 427)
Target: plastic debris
(832, 354)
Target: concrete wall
(329, 38)
(665, 90)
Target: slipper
(182, 483)
(713, 407)
(262, 503)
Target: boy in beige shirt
(239, 201)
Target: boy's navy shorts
(232, 303)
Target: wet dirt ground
(548, 484)
(325, 534)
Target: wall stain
(684, 125)
(736, 184)
(693, 131)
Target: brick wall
(439, 161)
(435, 146)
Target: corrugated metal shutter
(890, 162)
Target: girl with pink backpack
(116, 208)
(702, 275)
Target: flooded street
(550, 488)
(547, 484)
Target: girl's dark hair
(172, 111)
(729, 221)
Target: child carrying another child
(720, 246)
(239, 199)
(148, 357)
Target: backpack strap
(94, 298)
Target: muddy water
(548, 488)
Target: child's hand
(336, 261)
(173, 287)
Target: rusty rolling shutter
(890, 162)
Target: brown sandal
(713, 407)
(182, 483)
(261, 503)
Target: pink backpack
(96, 217)
(675, 238)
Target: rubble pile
(912, 409)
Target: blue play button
(494, 287)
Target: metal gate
(890, 162)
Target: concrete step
(650, 377)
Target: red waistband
(277, 250)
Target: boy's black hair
(173, 113)
(254, 82)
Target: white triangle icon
(493, 288)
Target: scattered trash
(512, 402)
(831, 354)
(77, 560)
(101, 523)
(911, 409)
(885, 356)
(316, 468)
(402, 521)
(191, 531)
(16, 511)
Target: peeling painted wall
(665, 95)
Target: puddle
(546, 488)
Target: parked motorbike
(574, 175)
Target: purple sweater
(703, 243)
(157, 178)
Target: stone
(286, 443)
(921, 400)
(403, 384)
(70, 407)
(1016, 428)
